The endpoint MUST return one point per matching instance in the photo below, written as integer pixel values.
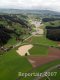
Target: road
(20, 43)
(38, 30)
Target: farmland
(41, 69)
(11, 63)
(42, 40)
(19, 30)
(53, 76)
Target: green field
(42, 40)
(57, 77)
(13, 40)
(40, 45)
(53, 76)
(43, 68)
(53, 23)
(11, 63)
(38, 50)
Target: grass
(39, 50)
(11, 63)
(55, 23)
(42, 69)
(42, 40)
(53, 76)
(40, 45)
(12, 41)
(57, 77)
(24, 36)
(3, 22)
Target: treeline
(6, 34)
(15, 28)
(50, 19)
(51, 27)
(53, 33)
(14, 18)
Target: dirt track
(53, 54)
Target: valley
(24, 45)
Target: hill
(13, 27)
(18, 11)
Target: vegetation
(50, 19)
(42, 40)
(53, 30)
(53, 76)
(11, 64)
(52, 23)
(53, 34)
(13, 27)
(42, 69)
(39, 50)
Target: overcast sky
(31, 4)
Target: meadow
(11, 64)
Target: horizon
(53, 5)
(29, 9)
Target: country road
(38, 30)
(20, 43)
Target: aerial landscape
(29, 43)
